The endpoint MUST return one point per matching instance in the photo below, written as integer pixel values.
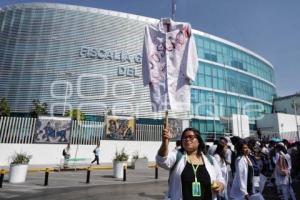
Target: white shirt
(170, 62)
(212, 149)
(283, 180)
(224, 170)
(97, 151)
(239, 184)
(175, 187)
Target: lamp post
(295, 112)
(67, 75)
(214, 110)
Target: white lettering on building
(99, 53)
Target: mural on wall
(120, 127)
(52, 130)
(175, 127)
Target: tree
(4, 108)
(75, 114)
(38, 108)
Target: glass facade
(230, 80)
(72, 57)
(87, 58)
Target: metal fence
(21, 131)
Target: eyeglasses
(189, 137)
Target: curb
(57, 169)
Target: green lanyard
(196, 186)
(194, 169)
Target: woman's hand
(166, 135)
(217, 186)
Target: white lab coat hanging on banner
(169, 64)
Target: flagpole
(173, 9)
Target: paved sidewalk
(67, 181)
(98, 176)
(140, 185)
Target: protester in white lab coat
(193, 174)
(220, 157)
(242, 185)
(283, 172)
(213, 147)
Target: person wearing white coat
(220, 157)
(242, 185)
(192, 171)
(283, 172)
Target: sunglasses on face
(188, 137)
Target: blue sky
(270, 28)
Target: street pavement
(140, 184)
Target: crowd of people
(231, 168)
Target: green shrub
(121, 156)
(21, 158)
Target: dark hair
(201, 147)
(282, 148)
(239, 147)
(251, 143)
(286, 143)
(235, 140)
(178, 143)
(220, 151)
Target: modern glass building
(90, 59)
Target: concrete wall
(286, 105)
(279, 122)
(51, 154)
(269, 123)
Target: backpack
(64, 152)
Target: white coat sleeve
(242, 174)
(168, 161)
(218, 171)
(191, 65)
(145, 63)
(218, 159)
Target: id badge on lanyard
(196, 189)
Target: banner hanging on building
(52, 130)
